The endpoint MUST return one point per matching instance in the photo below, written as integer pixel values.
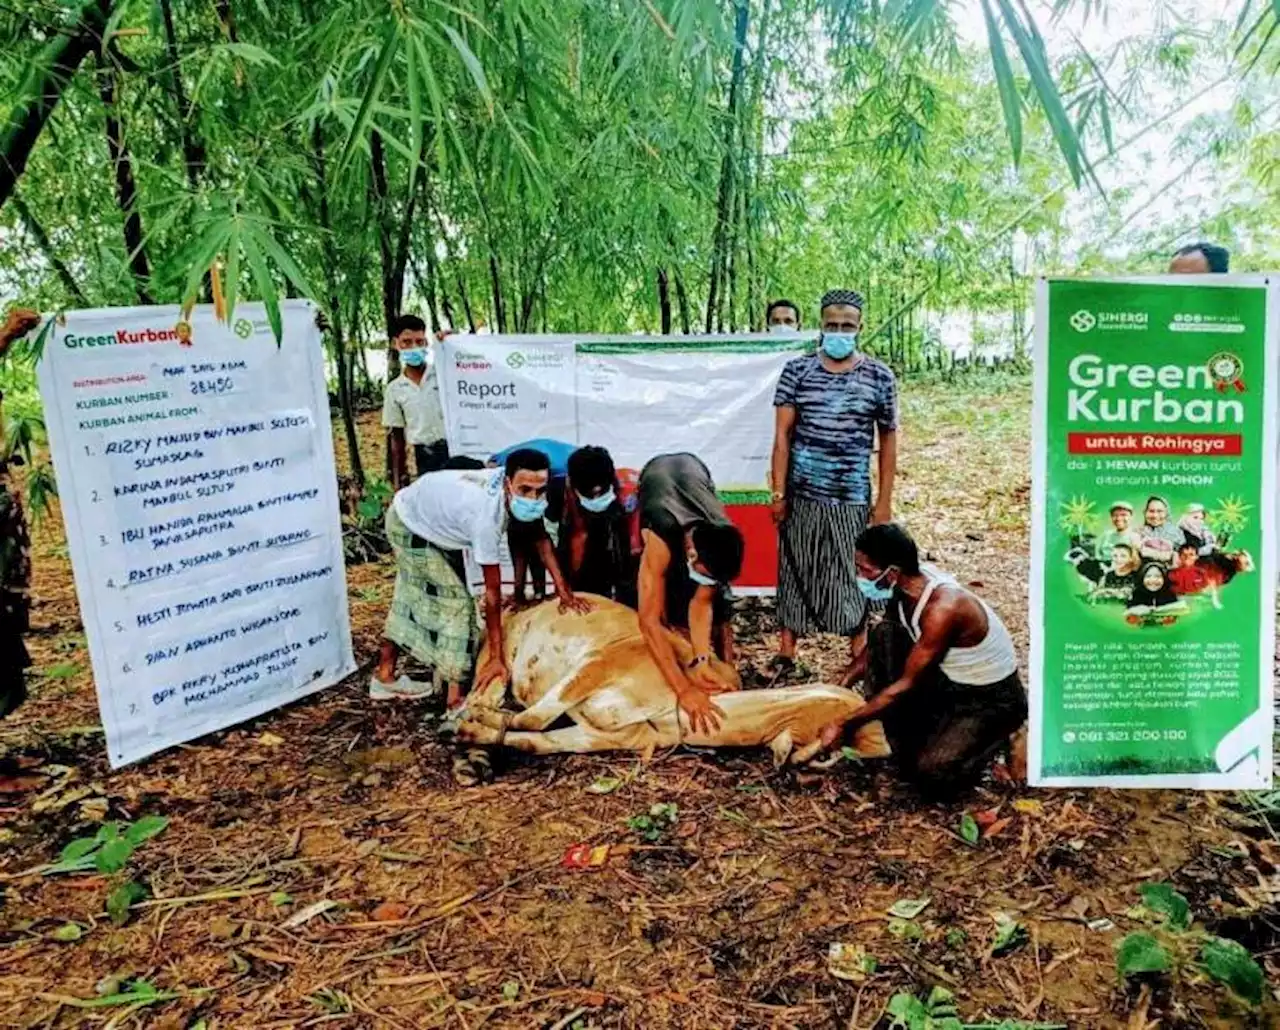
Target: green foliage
(652, 825)
(1225, 961)
(363, 535)
(122, 899)
(1230, 963)
(1009, 936)
(109, 849)
(1141, 953)
(1162, 900)
(969, 831)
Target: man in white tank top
(940, 670)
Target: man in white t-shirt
(411, 408)
(433, 615)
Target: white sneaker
(402, 688)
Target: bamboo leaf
(415, 114)
(1006, 84)
(266, 285)
(390, 44)
(472, 63)
(283, 260)
(1042, 80)
(231, 280)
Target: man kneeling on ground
(433, 615)
(940, 670)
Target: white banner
(638, 396)
(196, 474)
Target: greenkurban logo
(243, 328)
(1082, 321)
(515, 360)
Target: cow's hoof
(472, 769)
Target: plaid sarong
(433, 615)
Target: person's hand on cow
(779, 510)
(493, 669)
(705, 676)
(703, 714)
(571, 602)
(832, 733)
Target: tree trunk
(331, 265)
(193, 151)
(126, 187)
(724, 202)
(495, 277)
(664, 301)
(391, 286)
(682, 301)
(42, 88)
(33, 226)
(466, 304)
(751, 175)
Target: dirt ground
(320, 867)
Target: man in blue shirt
(830, 407)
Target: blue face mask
(415, 357)
(838, 346)
(700, 579)
(525, 509)
(596, 505)
(872, 590)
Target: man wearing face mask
(691, 552)
(586, 501)
(940, 670)
(829, 407)
(782, 316)
(432, 613)
(411, 409)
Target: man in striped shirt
(830, 406)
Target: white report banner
(638, 396)
(196, 474)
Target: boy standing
(411, 409)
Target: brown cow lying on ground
(595, 669)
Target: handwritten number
(119, 628)
(94, 496)
(127, 667)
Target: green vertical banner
(1153, 579)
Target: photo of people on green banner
(1153, 577)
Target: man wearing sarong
(433, 615)
(830, 405)
(691, 552)
(939, 671)
(593, 513)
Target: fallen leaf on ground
(305, 915)
(389, 912)
(270, 739)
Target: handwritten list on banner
(195, 468)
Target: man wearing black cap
(830, 406)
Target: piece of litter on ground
(1101, 924)
(304, 915)
(584, 856)
(605, 785)
(270, 739)
(849, 961)
(909, 908)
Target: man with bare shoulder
(940, 671)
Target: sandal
(784, 671)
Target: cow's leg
(577, 739)
(782, 745)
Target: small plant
(108, 851)
(363, 536)
(659, 819)
(938, 1012)
(1173, 944)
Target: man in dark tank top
(691, 552)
